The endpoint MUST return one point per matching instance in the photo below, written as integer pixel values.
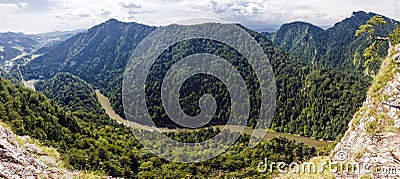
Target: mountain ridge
(99, 57)
(320, 46)
(19, 48)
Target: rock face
(16, 162)
(372, 143)
(396, 57)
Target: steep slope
(23, 157)
(15, 45)
(99, 57)
(336, 47)
(301, 39)
(112, 148)
(373, 138)
(29, 111)
(19, 48)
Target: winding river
(111, 113)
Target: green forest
(336, 47)
(101, 63)
(106, 146)
(321, 82)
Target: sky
(39, 16)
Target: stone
(33, 148)
(16, 162)
(396, 58)
(375, 149)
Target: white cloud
(51, 15)
(12, 7)
(130, 4)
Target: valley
(105, 104)
(332, 88)
(249, 131)
(313, 101)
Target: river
(111, 113)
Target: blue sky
(37, 16)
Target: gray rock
(16, 162)
(381, 149)
(33, 148)
(396, 57)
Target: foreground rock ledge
(372, 142)
(15, 162)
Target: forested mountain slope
(75, 95)
(112, 149)
(100, 55)
(335, 47)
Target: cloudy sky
(37, 16)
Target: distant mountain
(53, 38)
(335, 47)
(312, 101)
(18, 48)
(15, 45)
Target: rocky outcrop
(17, 162)
(396, 57)
(371, 146)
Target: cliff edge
(21, 159)
(371, 146)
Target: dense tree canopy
(112, 148)
(101, 63)
(334, 47)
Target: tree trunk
(384, 39)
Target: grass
(51, 157)
(385, 74)
(359, 153)
(355, 123)
(381, 123)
